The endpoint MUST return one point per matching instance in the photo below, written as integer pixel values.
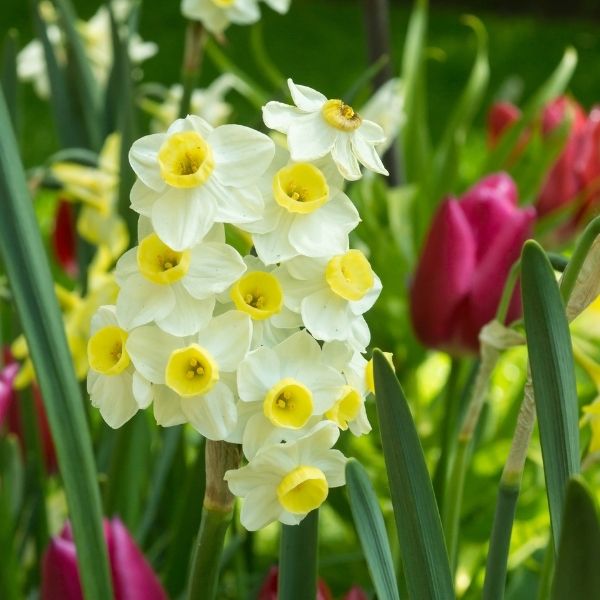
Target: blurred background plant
(475, 97)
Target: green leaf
(553, 376)
(554, 86)
(27, 268)
(447, 155)
(370, 526)
(577, 574)
(420, 533)
(8, 75)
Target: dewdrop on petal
(316, 126)
(284, 482)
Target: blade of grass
(553, 376)
(8, 75)
(420, 533)
(28, 272)
(370, 527)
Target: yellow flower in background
(96, 188)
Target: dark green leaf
(577, 574)
(553, 375)
(420, 533)
(370, 526)
(27, 268)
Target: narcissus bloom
(193, 374)
(306, 212)
(471, 245)
(284, 482)
(193, 176)
(332, 295)
(216, 15)
(174, 289)
(316, 126)
(113, 384)
(287, 385)
(132, 577)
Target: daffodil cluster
(264, 350)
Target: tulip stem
(508, 292)
(298, 559)
(195, 38)
(216, 517)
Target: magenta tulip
(132, 576)
(469, 250)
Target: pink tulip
(472, 243)
(132, 576)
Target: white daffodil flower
(306, 212)
(113, 384)
(284, 482)
(332, 295)
(216, 15)
(193, 176)
(174, 289)
(258, 293)
(348, 412)
(316, 126)
(290, 387)
(193, 374)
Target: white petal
(213, 268)
(188, 314)
(371, 132)
(140, 301)
(114, 397)
(318, 441)
(360, 335)
(182, 217)
(213, 414)
(142, 390)
(359, 307)
(191, 123)
(274, 247)
(367, 155)
(258, 474)
(295, 290)
(333, 465)
(126, 266)
(326, 316)
(238, 205)
(309, 137)
(298, 354)
(167, 407)
(143, 158)
(279, 116)
(244, 12)
(143, 198)
(344, 158)
(259, 432)
(241, 154)
(305, 98)
(149, 349)
(260, 508)
(105, 316)
(227, 337)
(258, 373)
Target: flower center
(340, 115)
(159, 263)
(106, 351)
(370, 379)
(191, 371)
(185, 160)
(349, 275)
(300, 188)
(346, 407)
(302, 490)
(258, 294)
(288, 404)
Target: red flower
(64, 240)
(472, 243)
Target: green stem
(195, 39)
(298, 555)
(547, 571)
(495, 572)
(262, 58)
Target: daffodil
(316, 126)
(284, 482)
(174, 289)
(332, 294)
(290, 387)
(115, 388)
(193, 176)
(258, 293)
(216, 15)
(306, 212)
(192, 375)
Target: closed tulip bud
(471, 245)
(501, 116)
(132, 577)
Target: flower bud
(472, 244)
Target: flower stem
(262, 58)
(298, 554)
(195, 38)
(216, 516)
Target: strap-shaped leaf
(370, 526)
(577, 574)
(553, 375)
(8, 75)
(420, 533)
(33, 291)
